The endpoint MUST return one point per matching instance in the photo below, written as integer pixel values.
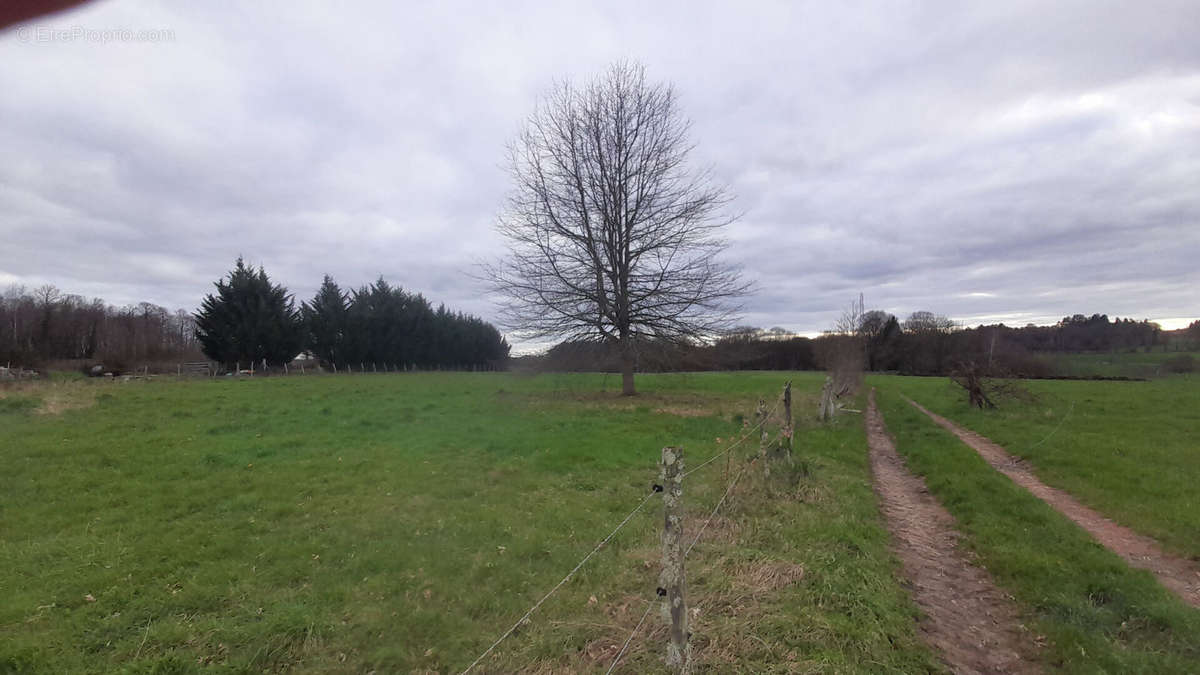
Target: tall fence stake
(760, 416)
(672, 582)
(788, 426)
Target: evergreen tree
(249, 319)
(325, 322)
(381, 325)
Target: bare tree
(842, 354)
(611, 235)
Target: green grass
(1117, 364)
(1130, 450)
(1097, 614)
(402, 522)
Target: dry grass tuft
(60, 398)
(762, 576)
(54, 397)
(685, 411)
(722, 530)
(665, 403)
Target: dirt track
(1140, 551)
(972, 624)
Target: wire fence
(565, 579)
(660, 592)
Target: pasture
(403, 522)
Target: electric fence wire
(638, 627)
(622, 524)
(725, 496)
(560, 584)
(736, 443)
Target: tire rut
(973, 625)
(1175, 573)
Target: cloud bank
(1007, 162)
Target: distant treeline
(47, 325)
(250, 320)
(922, 344)
(929, 344)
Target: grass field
(1131, 450)
(1094, 612)
(1118, 364)
(402, 522)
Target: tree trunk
(627, 388)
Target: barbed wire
(561, 583)
(638, 627)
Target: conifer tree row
(251, 319)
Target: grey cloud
(1002, 160)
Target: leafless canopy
(611, 235)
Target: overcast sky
(992, 161)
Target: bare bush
(984, 387)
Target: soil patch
(970, 621)
(1176, 573)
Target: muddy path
(971, 622)
(1177, 574)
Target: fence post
(672, 582)
(302, 369)
(761, 416)
(285, 370)
(827, 410)
(788, 426)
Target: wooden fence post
(828, 409)
(672, 583)
(761, 416)
(788, 426)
